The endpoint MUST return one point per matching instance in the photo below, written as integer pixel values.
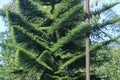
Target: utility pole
(87, 10)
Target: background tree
(106, 33)
(7, 56)
(110, 68)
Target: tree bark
(87, 10)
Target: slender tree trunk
(87, 10)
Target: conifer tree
(48, 38)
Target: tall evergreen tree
(48, 38)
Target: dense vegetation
(46, 41)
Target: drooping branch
(19, 20)
(105, 7)
(69, 36)
(102, 25)
(57, 24)
(98, 46)
(31, 55)
(70, 61)
(110, 36)
(36, 38)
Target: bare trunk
(87, 42)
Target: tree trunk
(87, 41)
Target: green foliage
(47, 39)
(65, 17)
(70, 35)
(110, 68)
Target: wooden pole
(87, 10)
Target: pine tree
(48, 38)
